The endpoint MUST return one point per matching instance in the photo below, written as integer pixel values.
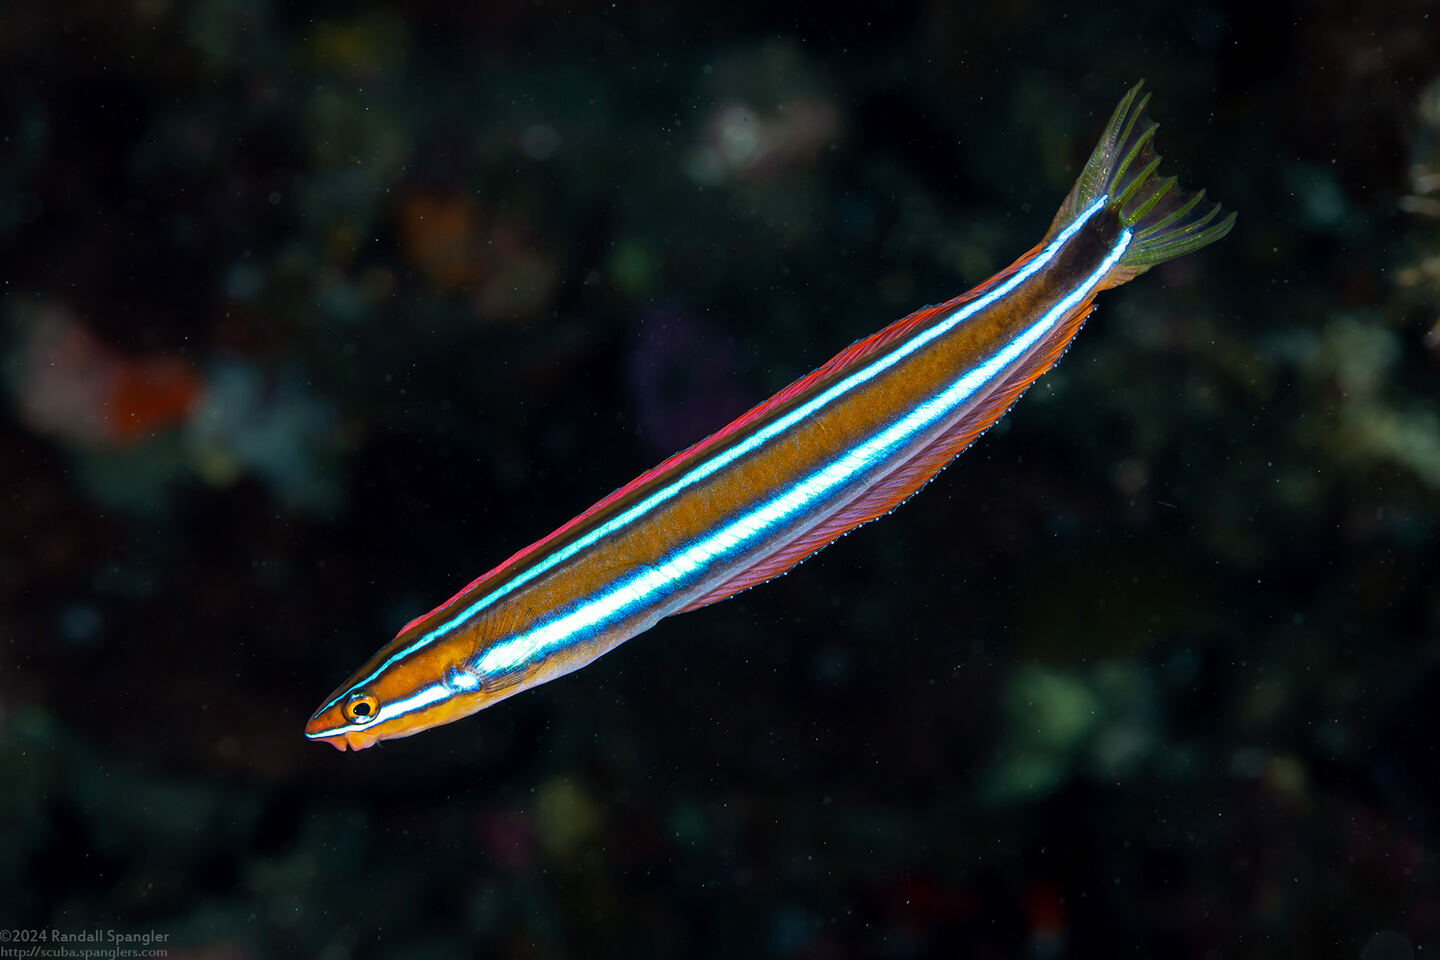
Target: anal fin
(898, 485)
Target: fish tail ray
(1166, 221)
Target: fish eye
(361, 707)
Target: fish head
(399, 692)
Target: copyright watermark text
(95, 943)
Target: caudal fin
(1167, 221)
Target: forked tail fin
(1167, 222)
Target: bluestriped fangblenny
(838, 447)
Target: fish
(842, 445)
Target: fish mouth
(314, 732)
(322, 730)
(358, 741)
(350, 740)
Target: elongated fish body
(839, 447)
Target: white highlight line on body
(726, 457)
(639, 589)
